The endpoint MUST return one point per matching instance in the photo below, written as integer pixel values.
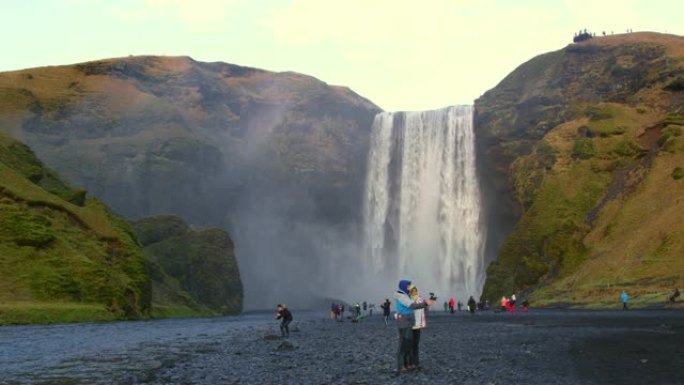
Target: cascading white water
(422, 213)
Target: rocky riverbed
(539, 347)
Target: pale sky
(402, 55)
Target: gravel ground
(539, 347)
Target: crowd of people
(358, 311)
(624, 298)
(411, 314)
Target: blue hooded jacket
(401, 293)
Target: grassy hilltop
(587, 141)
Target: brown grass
(633, 241)
(674, 44)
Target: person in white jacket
(420, 323)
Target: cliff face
(278, 159)
(581, 154)
(63, 257)
(145, 133)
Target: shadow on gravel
(633, 357)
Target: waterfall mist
(422, 209)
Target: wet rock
(287, 345)
(271, 337)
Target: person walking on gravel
(385, 310)
(405, 321)
(471, 305)
(286, 317)
(625, 298)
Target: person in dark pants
(386, 310)
(471, 305)
(286, 317)
(419, 324)
(405, 321)
(625, 298)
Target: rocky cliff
(582, 156)
(278, 159)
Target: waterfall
(422, 211)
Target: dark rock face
(277, 159)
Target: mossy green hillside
(596, 180)
(55, 254)
(191, 270)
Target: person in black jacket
(674, 295)
(471, 305)
(286, 317)
(386, 310)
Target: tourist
(405, 321)
(446, 306)
(526, 306)
(511, 303)
(471, 305)
(385, 310)
(452, 303)
(356, 313)
(625, 298)
(420, 322)
(675, 294)
(286, 317)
